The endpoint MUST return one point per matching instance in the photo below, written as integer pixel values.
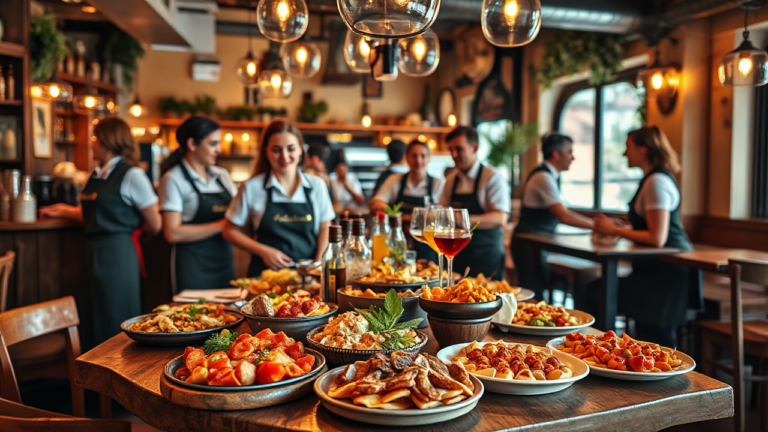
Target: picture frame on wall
(10, 136)
(42, 129)
(372, 89)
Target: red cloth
(139, 254)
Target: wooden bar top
(581, 246)
(130, 373)
(41, 224)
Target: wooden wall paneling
(27, 270)
(6, 244)
(82, 155)
(49, 263)
(72, 262)
(735, 233)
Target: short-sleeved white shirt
(659, 192)
(340, 193)
(251, 200)
(541, 189)
(391, 188)
(136, 190)
(178, 195)
(492, 192)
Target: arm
(62, 211)
(272, 257)
(151, 222)
(656, 234)
(322, 240)
(357, 196)
(491, 219)
(569, 217)
(176, 232)
(386, 194)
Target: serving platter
(522, 387)
(343, 356)
(174, 339)
(407, 417)
(688, 366)
(586, 321)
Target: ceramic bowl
(411, 308)
(460, 311)
(343, 356)
(174, 339)
(449, 332)
(296, 328)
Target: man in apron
(396, 152)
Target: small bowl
(449, 332)
(296, 328)
(411, 309)
(460, 311)
(344, 356)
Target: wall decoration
(372, 88)
(42, 130)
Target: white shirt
(492, 192)
(391, 188)
(251, 200)
(541, 189)
(136, 190)
(178, 195)
(659, 192)
(399, 169)
(340, 193)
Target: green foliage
(219, 342)
(124, 50)
(384, 321)
(49, 47)
(572, 52)
(514, 140)
(168, 104)
(394, 210)
(310, 111)
(239, 113)
(642, 110)
(205, 105)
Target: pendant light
(383, 60)
(388, 18)
(511, 23)
(419, 55)
(88, 102)
(357, 51)
(247, 67)
(366, 120)
(282, 20)
(301, 58)
(274, 81)
(54, 89)
(658, 80)
(744, 66)
(137, 109)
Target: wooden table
(714, 260)
(581, 246)
(130, 373)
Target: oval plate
(688, 365)
(174, 339)
(524, 294)
(178, 362)
(585, 318)
(407, 417)
(522, 387)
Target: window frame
(624, 76)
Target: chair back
(19, 418)
(6, 267)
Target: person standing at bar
(346, 187)
(117, 201)
(485, 194)
(657, 294)
(542, 209)
(396, 150)
(288, 210)
(194, 195)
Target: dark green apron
(485, 252)
(112, 287)
(423, 251)
(533, 221)
(288, 227)
(210, 262)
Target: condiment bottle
(11, 92)
(2, 85)
(396, 242)
(346, 231)
(10, 191)
(379, 234)
(25, 205)
(334, 261)
(358, 252)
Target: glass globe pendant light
(274, 81)
(301, 58)
(137, 109)
(89, 102)
(54, 89)
(357, 50)
(511, 23)
(247, 67)
(658, 80)
(744, 66)
(388, 18)
(282, 20)
(366, 120)
(383, 60)
(419, 55)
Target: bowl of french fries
(351, 298)
(466, 300)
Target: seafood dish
(543, 315)
(270, 281)
(185, 318)
(352, 330)
(384, 273)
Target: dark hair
(277, 126)
(468, 132)
(396, 151)
(114, 135)
(660, 153)
(194, 127)
(554, 141)
(415, 143)
(320, 151)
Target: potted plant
(310, 111)
(169, 107)
(123, 50)
(184, 109)
(205, 105)
(49, 46)
(507, 146)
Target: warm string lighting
(301, 58)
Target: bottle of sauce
(358, 252)
(334, 276)
(379, 235)
(11, 92)
(2, 85)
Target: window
(598, 119)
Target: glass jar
(25, 204)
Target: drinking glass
(429, 237)
(451, 234)
(418, 231)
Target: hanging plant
(49, 47)
(573, 52)
(124, 50)
(642, 109)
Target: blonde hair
(115, 136)
(660, 153)
(277, 126)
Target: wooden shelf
(321, 127)
(11, 49)
(10, 102)
(76, 80)
(64, 113)
(66, 143)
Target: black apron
(288, 227)
(423, 251)
(111, 282)
(533, 221)
(485, 252)
(380, 181)
(210, 262)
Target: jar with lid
(25, 204)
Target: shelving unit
(320, 127)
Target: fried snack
(186, 318)
(387, 274)
(401, 381)
(621, 353)
(463, 292)
(501, 286)
(370, 294)
(270, 281)
(543, 315)
(512, 362)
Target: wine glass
(429, 238)
(452, 234)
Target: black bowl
(411, 309)
(385, 287)
(174, 339)
(295, 328)
(460, 311)
(343, 356)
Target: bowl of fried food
(293, 315)
(386, 276)
(270, 281)
(351, 298)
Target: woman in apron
(117, 200)
(194, 195)
(414, 189)
(289, 211)
(657, 294)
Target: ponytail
(194, 127)
(171, 161)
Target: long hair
(194, 127)
(115, 136)
(277, 126)
(660, 153)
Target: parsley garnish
(220, 342)
(384, 321)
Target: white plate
(524, 294)
(585, 318)
(688, 365)
(522, 387)
(408, 417)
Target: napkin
(508, 309)
(222, 295)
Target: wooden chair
(743, 337)
(19, 418)
(6, 267)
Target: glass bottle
(358, 253)
(396, 242)
(10, 191)
(2, 85)
(346, 231)
(11, 87)
(334, 276)
(379, 235)
(25, 205)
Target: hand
(275, 259)
(54, 211)
(604, 225)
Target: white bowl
(522, 387)
(585, 318)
